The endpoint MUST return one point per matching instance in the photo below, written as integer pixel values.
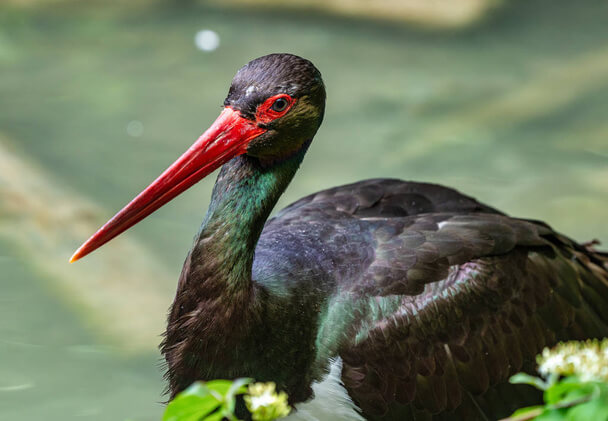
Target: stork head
(274, 107)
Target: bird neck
(244, 194)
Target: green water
(512, 111)
(53, 369)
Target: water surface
(512, 111)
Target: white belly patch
(331, 401)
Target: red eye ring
(274, 107)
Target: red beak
(227, 137)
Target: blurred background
(505, 100)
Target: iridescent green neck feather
(245, 193)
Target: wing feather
(467, 333)
(436, 299)
(410, 253)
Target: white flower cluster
(265, 404)
(586, 360)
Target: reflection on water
(53, 368)
(103, 99)
(45, 221)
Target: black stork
(421, 299)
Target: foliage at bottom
(215, 400)
(574, 378)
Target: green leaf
(216, 416)
(238, 387)
(594, 410)
(190, 407)
(196, 389)
(219, 388)
(568, 389)
(523, 378)
(526, 411)
(201, 399)
(552, 415)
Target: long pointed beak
(227, 137)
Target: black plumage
(430, 298)
(446, 297)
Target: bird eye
(279, 105)
(274, 107)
